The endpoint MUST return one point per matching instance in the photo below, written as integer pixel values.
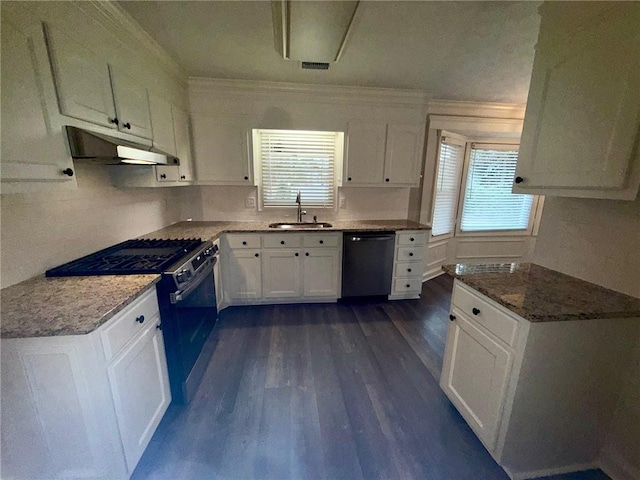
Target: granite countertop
(539, 294)
(213, 230)
(44, 307)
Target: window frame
(491, 144)
(257, 169)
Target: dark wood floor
(337, 391)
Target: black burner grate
(129, 258)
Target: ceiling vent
(315, 65)
(313, 32)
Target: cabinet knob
(519, 180)
(408, 285)
(127, 125)
(321, 242)
(183, 177)
(159, 326)
(452, 317)
(475, 311)
(244, 242)
(257, 255)
(140, 319)
(306, 254)
(349, 179)
(281, 242)
(68, 171)
(164, 175)
(386, 179)
(412, 239)
(246, 178)
(409, 270)
(115, 121)
(411, 254)
(175, 161)
(296, 254)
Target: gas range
(132, 257)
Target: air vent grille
(315, 65)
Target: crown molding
(335, 93)
(115, 19)
(476, 109)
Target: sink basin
(288, 226)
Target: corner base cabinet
(537, 394)
(84, 406)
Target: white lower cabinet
(280, 268)
(84, 406)
(408, 264)
(539, 395)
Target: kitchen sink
(288, 226)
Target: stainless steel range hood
(86, 145)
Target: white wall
(599, 241)
(43, 230)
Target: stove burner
(129, 258)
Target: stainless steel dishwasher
(367, 263)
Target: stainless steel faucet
(300, 211)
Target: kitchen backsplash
(42, 230)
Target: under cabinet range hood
(312, 32)
(86, 145)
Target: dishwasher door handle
(370, 239)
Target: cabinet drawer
(407, 285)
(412, 238)
(330, 240)
(128, 323)
(410, 253)
(243, 241)
(484, 313)
(408, 269)
(280, 241)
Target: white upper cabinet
(222, 150)
(402, 154)
(365, 154)
(583, 113)
(82, 81)
(183, 144)
(32, 147)
(164, 138)
(383, 154)
(132, 104)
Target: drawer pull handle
(281, 242)
(244, 243)
(140, 319)
(452, 317)
(411, 254)
(475, 311)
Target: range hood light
(132, 161)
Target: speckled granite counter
(539, 294)
(212, 230)
(44, 307)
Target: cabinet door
(402, 157)
(583, 111)
(32, 147)
(243, 278)
(222, 150)
(132, 104)
(162, 125)
(474, 376)
(168, 173)
(365, 154)
(140, 388)
(321, 269)
(183, 144)
(82, 81)
(281, 270)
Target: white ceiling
(476, 51)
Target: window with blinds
(295, 160)
(488, 203)
(450, 160)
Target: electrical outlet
(250, 202)
(343, 202)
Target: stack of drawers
(408, 264)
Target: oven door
(193, 314)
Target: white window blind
(488, 201)
(292, 160)
(446, 187)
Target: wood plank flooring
(335, 391)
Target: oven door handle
(181, 295)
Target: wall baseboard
(618, 468)
(433, 273)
